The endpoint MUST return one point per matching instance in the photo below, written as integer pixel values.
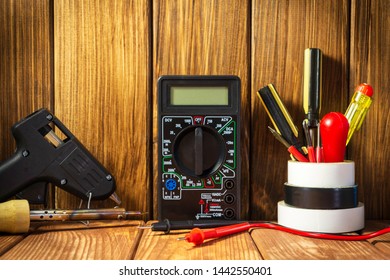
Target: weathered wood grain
(8, 241)
(96, 64)
(25, 54)
(102, 89)
(381, 242)
(26, 59)
(370, 63)
(204, 38)
(74, 241)
(285, 246)
(281, 31)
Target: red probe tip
(366, 89)
(195, 236)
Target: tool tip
(144, 227)
(114, 197)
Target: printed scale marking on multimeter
(199, 147)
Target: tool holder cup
(321, 197)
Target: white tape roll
(321, 175)
(326, 221)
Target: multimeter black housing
(199, 148)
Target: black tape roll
(321, 198)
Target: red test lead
(198, 236)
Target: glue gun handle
(15, 175)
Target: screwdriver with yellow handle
(15, 215)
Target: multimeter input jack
(229, 184)
(229, 213)
(229, 198)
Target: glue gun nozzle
(114, 197)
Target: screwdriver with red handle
(290, 148)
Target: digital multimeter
(199, 148)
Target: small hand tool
(279, 116)
(292, 149)
(309, 145)
(312, 86)
(15, 215)
(358, 108)
(334, 131)
(312, 93)
(48, 152)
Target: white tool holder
(321, 197)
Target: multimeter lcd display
(199, 96)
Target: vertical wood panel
(203, 38)
(102, 74)
(281, 31)
(25, 64)
(370, 62)
(102, 88)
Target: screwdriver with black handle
(312, 93)
(15, 215)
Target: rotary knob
(199, 151)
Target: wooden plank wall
(25, 64)
(203, 38)
(283, 31)
(101, 73)
(95, 65)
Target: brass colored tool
(15, 215)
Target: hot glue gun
(60, 159)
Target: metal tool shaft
(82, 214)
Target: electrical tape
(321, 220)
(321, 198)
(321, 175)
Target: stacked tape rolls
(321, 197)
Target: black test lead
(167, 225)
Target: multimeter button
(170, 184)
(198, 119)
(199, 151)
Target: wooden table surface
(123, 240)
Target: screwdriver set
(320, 192)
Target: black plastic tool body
(199, 148)
(66, 164)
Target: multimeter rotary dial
(199, 151)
